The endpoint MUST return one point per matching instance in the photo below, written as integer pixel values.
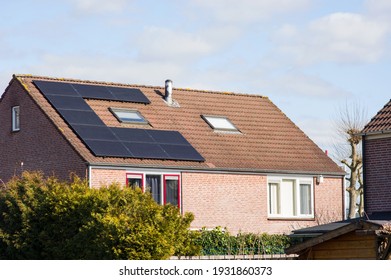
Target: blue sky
(310, 57)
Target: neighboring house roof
(381, 122)
(268, 140)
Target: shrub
(218, 241)
(43, 218)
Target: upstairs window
(15, 118)
(220, 123)
(128, 116)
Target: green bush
(218, 241)
(43, 218)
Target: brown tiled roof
(269, 141)
(381, 122)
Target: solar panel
(129, 94)
(55, 88)
(81, 117)
(132, 135)
(146, 150)
(91, 132)
(95, 92)
(167, 137)
(181, 152)
(107, 148)
(68, 102)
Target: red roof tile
(381, 121)
(269, 141)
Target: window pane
(305, 199)
(220, 123)
(131, 116)
(288, 202)
(153, 185)
(15, 118)
(172, 188)
(135, 182)
(274, 198)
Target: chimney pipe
(168, 92)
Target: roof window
(220, 123)
(128, 116)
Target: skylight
(220, 123)
(128, 116)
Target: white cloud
(248, 11)
(156, 44)
(107, 69)
(99, 6)
(338, 37)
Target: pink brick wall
(38, 144)
(377, 166)
(239, 202)
(104, 177)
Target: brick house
(234, 160)
(377, 162)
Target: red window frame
(135, 174)
(165, 188)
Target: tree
(43, 218)
(351, 120)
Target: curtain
(305, 199)
(153, 186)
(172, 192)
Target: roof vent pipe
(168, 92)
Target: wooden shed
(356, 239)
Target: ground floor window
(290, 197)
(164, 188)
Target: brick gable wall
(38, 144)
(377, 180)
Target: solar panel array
(68, 100)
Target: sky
(310, 57)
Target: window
(164, 188)
(135, 180)
(290, 197)
(220, 123)
(15, 118)
(128, 116)
(171, 189)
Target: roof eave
(208, 169)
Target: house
(376, 142)
(233, 160)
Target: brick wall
(239, 202)
(104, 177)
(377, 167)
(38, 144)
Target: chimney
(168, 92)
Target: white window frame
(230, 127)
(296, 209)
(164, 175)
(141, 118)
(16, 118)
